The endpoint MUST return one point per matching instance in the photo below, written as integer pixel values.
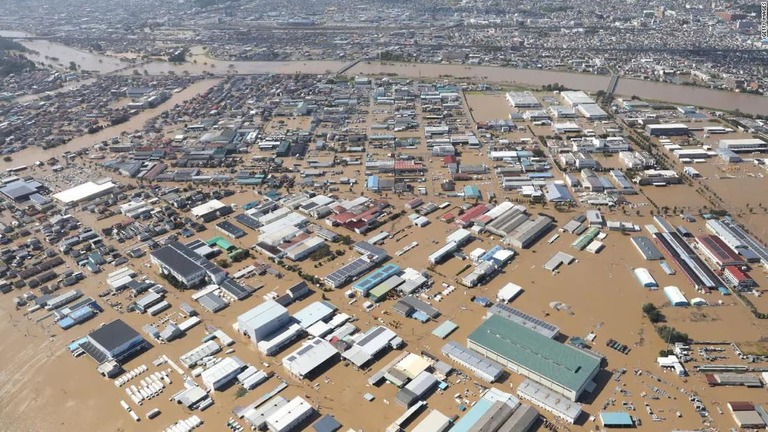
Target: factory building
(529, 232)
(715, 249)
(115, 341)
(744, 145)
(484, 368)
(289, 416)
(222, 373)
(185, 265)
(309, 357)
(263, 321)
(675, 296)
(559, 367)
(644, 277)
(669, 129)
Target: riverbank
(200, 62)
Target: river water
(199, 63)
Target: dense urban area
(385, 216)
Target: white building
(289, 416)
(310, 356)
(592, 111)
(264, 320)
(222, 373)
(576, 98)
(85, 192)
(746, 145)
(522, 100)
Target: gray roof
(472, 359)
(235, 289)
(519, 317)
(179, 258)
(647, 248)
(113, 335)
(212, 302)
(327, 424)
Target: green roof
(220, 242)
(560, 363)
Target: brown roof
(741, 406)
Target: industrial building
(376, 277)
(644, 277)
(314, 313)
(115, 341)
(85, 192)
(522, 100)
(675, 296)
(222, 373)
(509, 292)
(647, 249)
(497, 411)
(289, 416)
(576, 98)
(185, 265)
(550, 401)
(744, 145)
(735, 236)
(435, 421)
(700, 275)
(484, 368)
(719, 253)
(263, 321)
(191, 358)
(669, 129)
(616, 419)
(370, 344)
(559, 367)
(735, 277)
(521, 318)
(309, 357)
(529, 232)
(370, 256)
(417, 389)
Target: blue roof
(617, 418)
(421, 316)
(471, 191)
(373, 182)
(378, 276)
(443, 330)
(472, 416)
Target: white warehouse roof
(309, 356)
(644, 277)
(84, 191)
(675, 296)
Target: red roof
(737, 273)
(717, 247)
(449, 159)
(473, 213)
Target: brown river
(59, 55)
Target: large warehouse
(552, 364)
(85, 192)
(668, 129)
(745, 145)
